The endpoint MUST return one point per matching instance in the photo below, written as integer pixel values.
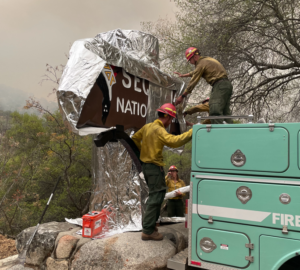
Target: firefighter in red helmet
(215, 75)
(151, 139)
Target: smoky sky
(34, 33)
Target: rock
(56, 264)
(82, 241)
(8, 262)
(79, 244)
(65, 246)
(43, 242)
(180, 228)
(19, 267)
(124, 251)
(174, 236)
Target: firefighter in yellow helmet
(151, 139)
(175, 205)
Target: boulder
(175, 236)
(8, 262)
(180, 228)
(56, 264)
(43, 242)
(79, 244)
(19, 267)
(124, 251)
(65, 246)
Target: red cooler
(93, 223)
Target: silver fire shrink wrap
(117, 186)
(134, 51)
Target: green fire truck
(244, 206)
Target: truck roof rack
(249, 117)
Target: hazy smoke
(12, 99)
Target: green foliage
(35, 151)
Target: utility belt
(219, 80)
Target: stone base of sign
(121, 251)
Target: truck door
(260, 204)
(223, 247)
(242, 149)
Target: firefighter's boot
(155, 236)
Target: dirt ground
(7, 247)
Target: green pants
(219, 101)
(155, 178)
(175, 208)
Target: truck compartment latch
(250, 246)
(210, 220)
(249, 258)
(208, 127)
(271, 127)
(285, 230)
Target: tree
(256, 40)
(38, 150)
(35, 151)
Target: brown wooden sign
(117, 98)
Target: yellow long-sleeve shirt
(172, 185)
(208, 68)
(151, 139)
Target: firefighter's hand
(169, 175)
(178, 193)
(179, 100)
(179, 74)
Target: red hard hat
(169, 109)
(173, 168)
(189, 53)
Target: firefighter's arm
(174, 141)
(183, 75)
(195, 79)
(137, 138)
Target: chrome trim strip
(248, 179)
(232, 213)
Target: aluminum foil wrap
(117, 186)
(134, 51)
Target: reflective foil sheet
(117, 187)
(134, 51)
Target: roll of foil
(172, 194)
(117, 188)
